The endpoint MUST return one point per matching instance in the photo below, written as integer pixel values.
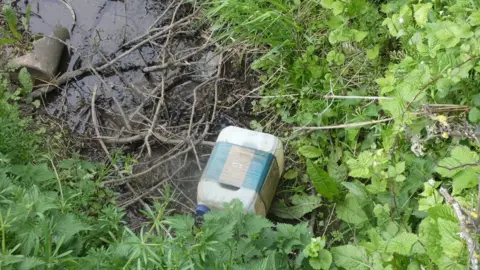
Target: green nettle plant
(380, 101)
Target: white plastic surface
(254, 139)
(214, 195)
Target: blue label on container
(238, 166)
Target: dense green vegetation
(378, 99)
(378, 102)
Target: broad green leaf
(431, 197)
(360, 167)
(392, 172)
(377, 186)
(358, 190)
(253, 224)
(351, 211)
(392, 29)
(464, 179)
(373, 53)
(408, 92)
(400, 167)
(388, 138)
(291, 174)
(359, 35)
(337, 7)
(476, 100)
(421, 13)
(395, 107)
(327, 3)
(182, 224)
(446, 263)
(6, 41)
(442, 211)
(414, 265)
(337, 172)
(430, 236)
(386, 83)
(310, 151)
(322, 182)
(402, 243)
(12, 21)
(340, 59)
(323, 261)
(461, 158)
(68, 226)
(25, 80)
(451, 242)
(464, 155)
(302, 205)
(331, 56)
(350, 257)
(474, 18)
(400, 178)
(448, 167)
(474, 115)
(445, 86)
(449, 33)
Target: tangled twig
(457, 209)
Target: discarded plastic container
(244, 165)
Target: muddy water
(98, 27)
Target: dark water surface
(100, 28)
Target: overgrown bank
(377, 100)
(380, 102)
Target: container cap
(201, 210)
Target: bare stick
(472, 247)
(351, 125)
(180, 62)
(163, 160)
(478, 198)
(189, 132)
(357, 97)
(155, 118)
(104, 147)
(107, 86)
(169, 32)
(141, 136)
(66, 77)
(122, 113)
(95, 121)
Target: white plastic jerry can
(244, 165)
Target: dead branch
(95, 121)
(472, 247)
(141, 136)
(350, 125)
(155, 117)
